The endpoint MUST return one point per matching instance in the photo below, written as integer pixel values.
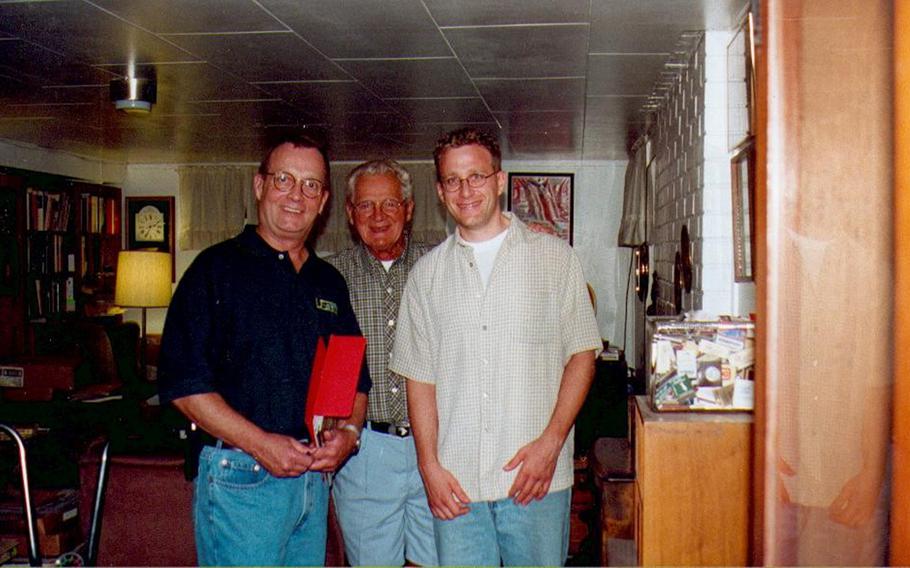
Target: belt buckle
(400, 431)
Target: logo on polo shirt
(326, 306)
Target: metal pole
(34, 554)
(94, 536)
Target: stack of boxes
(57, 519)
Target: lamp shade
(143, 279)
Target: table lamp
(143, 281)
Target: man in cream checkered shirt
(497, 338)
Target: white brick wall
(693, 180)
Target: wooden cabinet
(693, 487)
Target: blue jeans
(245, 516)
(533, 535)
(382, 506)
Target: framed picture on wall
(742, 170)
(543, 202)
(150, 225)
(741, 84)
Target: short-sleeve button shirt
(375, 297)
(495, 355)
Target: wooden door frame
(900, 481)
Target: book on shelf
(47, 210)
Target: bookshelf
(61, 261)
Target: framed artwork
(742, 170)
(150, 225)
(543, 202)
(741, 84)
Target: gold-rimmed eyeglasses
(453, 183)
(285, 182)
(387, 206)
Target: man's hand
(445, 496)
(538, 462)
(337, 445)
(283, 456)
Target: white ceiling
(562, 79)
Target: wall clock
(642, 271)
(150, 224)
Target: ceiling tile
(687, 14)
(623, 74)
(399, 78)
(637, 38)
(613, 110)
(540, 122)
(261, 56)
(323, 100)
(394, 85)
(197, 16)
(436, 110)
(524, 51)
(250, 113)
(484, 12)
(533, 94)
(37, 66)
(543, 133)
(363, 28)
(84, 33)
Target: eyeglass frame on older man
(387, 206)
(475, 181)
(309, 187)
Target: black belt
(207, 439)
(391, 429)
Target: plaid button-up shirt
(495, 354)
(375, 296)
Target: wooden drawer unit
(693, 487)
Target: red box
(40, 394)
(48, 371)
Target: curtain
(633, 227)
(428, 224)
(213, 203)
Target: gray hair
(380, 167)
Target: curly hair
(464, 137)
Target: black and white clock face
(149, 224)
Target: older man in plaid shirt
(379, 496)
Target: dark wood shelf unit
(59, 241)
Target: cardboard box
(49, 545)
(56, 511)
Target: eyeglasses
(387, 206)
(285, 182)
(453, 183)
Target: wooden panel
(827, 286)
(900, 496)
(694, 480)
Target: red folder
(333, 383)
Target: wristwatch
(353, 428)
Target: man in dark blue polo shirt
(236, 357)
